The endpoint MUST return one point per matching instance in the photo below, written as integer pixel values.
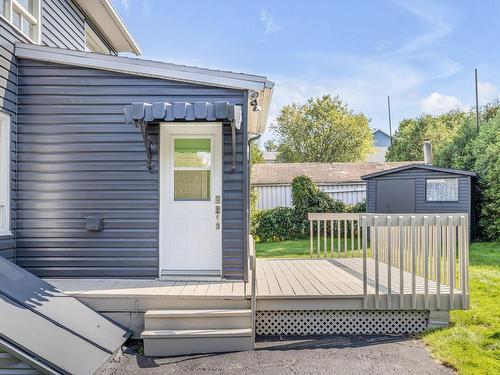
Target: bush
(274, 224)
(487, 166)
(358, 207)
(479, 152)
(307, 198)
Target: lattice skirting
(325, 322)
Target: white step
(197, 319)
(196, 341)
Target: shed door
(191, 187)
(396, 196)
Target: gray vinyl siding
(63, 25)
(8, 104)
(77, 158)
(371, 195)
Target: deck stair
(176, 332)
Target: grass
(299, 249)
(471, 344)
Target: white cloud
(486, 92)
(436, 104)
(269, 25)
(125, 4)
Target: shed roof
(417, 166)
(320, 173)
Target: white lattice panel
(325, 322)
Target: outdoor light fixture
(253, 95)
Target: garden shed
(421, 188)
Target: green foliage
(285, 223)
(307, 198)
(479, 152)
(458, 151)
(270, 145)
(274, 224)
(359, 207)
(409, 138)
(487, 165)
(256, 154)
(322, 130)
(256, 157)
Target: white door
(190, 199)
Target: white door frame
(188, 129)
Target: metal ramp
(47, 327)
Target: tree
(409, 138)
(270, 145)
(322, 130)
(256, 154)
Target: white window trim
(35, 19)
(4, 174)
(440, 200)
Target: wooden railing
(403, 254)
(252, 265)
(334, 235)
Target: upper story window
(24, 15)
(4, 174)
(442, 189)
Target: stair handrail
(253, 295)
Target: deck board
(282, 280)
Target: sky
(420, 53)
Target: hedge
(286, 223)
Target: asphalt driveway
(327, 355)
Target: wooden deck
(286, 284)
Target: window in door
(192, 169)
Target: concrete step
(197, 319)
(196, 341)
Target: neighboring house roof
(162, 70)
(106, 18)
(417, 166)
(320, 173)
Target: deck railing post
(389, 262)
(365, 278)
(451, 259)
(426, 262)
(375, 249)
(438, 262)
(401, 264)
(311, 235)
(413, 263)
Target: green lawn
(471, 344)
(299, 249)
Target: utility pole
(390, 121)
(477, 100)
